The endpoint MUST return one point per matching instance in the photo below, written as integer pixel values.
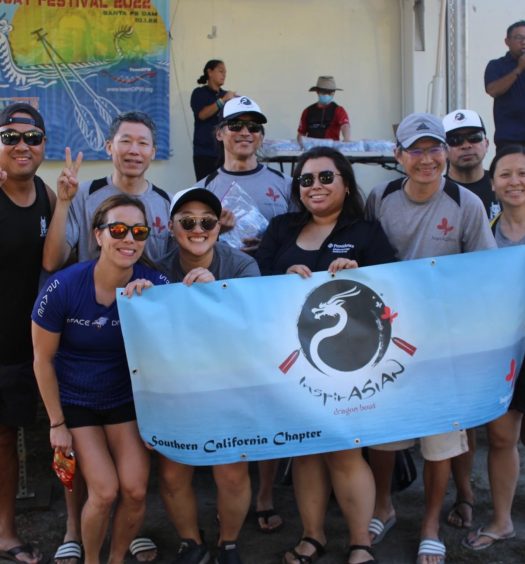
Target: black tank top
(23, 233)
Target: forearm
(48, 385)
(56, 248)
(345, 130)
(211, 110)
(498, 87)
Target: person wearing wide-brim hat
(325, 119)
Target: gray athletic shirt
(227, 263)
(270, 189)
(443, 225)
(86, 201)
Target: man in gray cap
(424, 215)
(26, 205)
(467, 147)
(325, 119)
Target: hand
(300, 269)
(227, 220)
(198, 275)
(341, 264)
(521, 63)
(67, 184)
(3, 176)
(229, 95)
(136, 286)
(251, 244)
(60, 437)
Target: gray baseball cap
(419, 125)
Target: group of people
(62, 332)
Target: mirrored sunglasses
(12, 137)
(189, 223)
(119, 230)
(325, 177)
(237, 125)
(457, 139)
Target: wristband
(57, 424)
(220, 103)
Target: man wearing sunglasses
(131, 145)
(26, 206)
(424, 215)
(240, 133)
(467, 147)
(505, 82)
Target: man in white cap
(467, 147)
(424, 215)
(240, 133)
(325, 119)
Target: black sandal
(304, 558)
(362, 547)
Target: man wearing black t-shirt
(26, 205)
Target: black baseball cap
(36, 119)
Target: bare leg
(132, 462)
(8, 488)
(179, 497)
(382, 463)
(312, 490)
(504, 467)
(461, 514)
(354, 488)
(436, 474)
(99, 472)
(233, 498)
(267, 473)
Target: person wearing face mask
(325, 119)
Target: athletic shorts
(78, 416)
(18, 394)
(434, 447)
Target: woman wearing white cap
(325, 119)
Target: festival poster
(278, 366)
(83, 62)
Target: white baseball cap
(241, 105)
(458, 119)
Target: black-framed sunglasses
(457, 139)
(238, 124)
(189, 223)
(325, 177)
(12, 137)
(119, 230)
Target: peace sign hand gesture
(67, 183)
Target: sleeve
(341, 116)
(303, 123)
(292, 206)
(477, 234)
(198, 101)
(378, 249)
(50, 311)
(370, 206)
(268, 248)
(73, 224)
(494, 71)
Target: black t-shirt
(483, 189)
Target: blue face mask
(325, 99)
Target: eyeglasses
(457, 139)
(119, 230)
(189, 223)
(237, 125)
(435, 151)
(12, 137)
(325, 177)
(519, 38)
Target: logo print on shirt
(43, 226)
(272, 195)
(445, 227)
(100, 322)
(157, 224)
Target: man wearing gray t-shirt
(424, 215)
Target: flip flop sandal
(454, 513)
(380, 528)
(12, 553)
(266, 515)
(69, 550)
(140, 545)
(494, 538)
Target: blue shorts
(78, 416)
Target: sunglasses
(12, 137)
(457, 139)
(189, 223)
(251, 126)
(325, 177)
(119, 230)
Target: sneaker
(192, 553)
(228, 554)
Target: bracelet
(220, 103)
(58, 424)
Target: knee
(102, 498)
(174, 477)
(134, 493)
(232, 478)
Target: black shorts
(78, 416)
(518, 400)
(18, 394)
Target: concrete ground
(41, 519)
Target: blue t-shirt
(204, 143)
(91, 365)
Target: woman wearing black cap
(206, 103)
